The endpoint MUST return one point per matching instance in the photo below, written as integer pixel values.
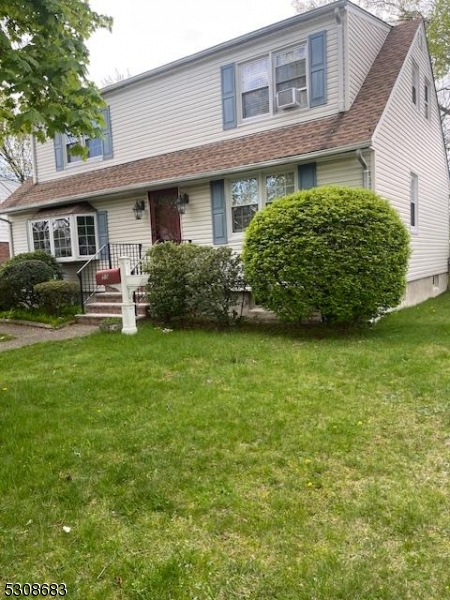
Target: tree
(44, 87)
(115, 77)
(340, 251)
(15, 157)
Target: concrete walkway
(25, 335)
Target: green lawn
(260, 465)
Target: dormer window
(415, 84)
(97, 147)
(290, 72)
(255, 87)
(426, 99)
(284, 79)
(94, 147)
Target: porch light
(181, 202)
(138, 209)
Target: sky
(150, 33)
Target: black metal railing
(107, 258)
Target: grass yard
(262, 465)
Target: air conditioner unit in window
(288, 98)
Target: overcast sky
(150, 33)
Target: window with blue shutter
(96, 147)
(317, 68)
(307, 176)
(228, 81)
(218, 212)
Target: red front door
(164, 216)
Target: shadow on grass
(427, 322)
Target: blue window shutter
(318, 69)
(228, 96)
(59, 151)
(102, 224)
(107, 139)
(218, 211)
(307, 176)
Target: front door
(164, 216)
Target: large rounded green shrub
(41, 255)
(339, 251)
(17, 281)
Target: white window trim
(260, 176)
(414, 201)
(73, 238)
(77, 163)
(273, 111)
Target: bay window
(70, 237)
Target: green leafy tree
(44, 88)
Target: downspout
(340, 59)
(365, 166)
(11, 239)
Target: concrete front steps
(103, 305)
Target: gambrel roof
(343, 131)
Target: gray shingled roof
(352, 128)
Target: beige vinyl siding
(20, 232)
(342, 171)
(123, 228)
(364, 39)
(406, 142)
(196, 223)
(182, 108)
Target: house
(193, 149)
(6, 189)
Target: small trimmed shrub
(41, 255)
(340, 251)
(186, 280)
(167, 267)
(17, 281)
(54, 296)
(212, 282)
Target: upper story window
(426, 99)
(69, 237)
(283, 79)
(263, 81)
(414, 202)
(290, 73)
(97, 147)
(255, 88)
(94, 147)
(415, 84)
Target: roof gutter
(154, 184)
